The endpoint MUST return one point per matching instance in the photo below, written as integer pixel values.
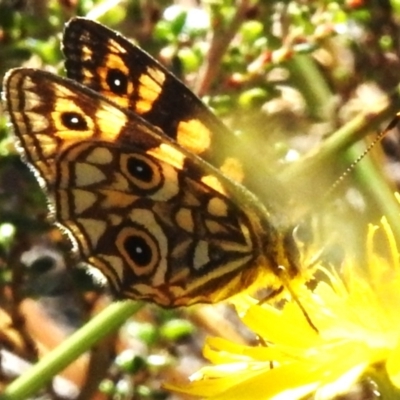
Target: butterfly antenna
(395, 121)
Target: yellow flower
(347, 327)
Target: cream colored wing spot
(47, 143)
(179, 281)
(246, 235)
(227, 246)
(184, 219)
(170, 186)
(27, 83)
(94, 229)
(116, 263)
(100, 155)
(201, 255)
(235, 264)
(217, 207)
(190, 200)
(87, 175)
(111, 266)
(148, 292)
(120, 183)
(37, 122)
(114, 219)
(193, 136)
(83, 200)
(246, 247)
(215, 228)
(61, 92)
(179, 251)
(40, 156)
(114, 199)
(32, 100)
(73, 150)
(180, 278)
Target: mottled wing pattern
(160, 223)
(110, 64)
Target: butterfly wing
(108, 63)
(160, 223)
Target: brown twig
(221, 37)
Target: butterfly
(137, 175)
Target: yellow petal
(285, 327)
(393, 366)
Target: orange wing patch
(194, 136)
(233, 168)
(150, 87)
(168, 154)
(213, 182)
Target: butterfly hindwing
(160, 223)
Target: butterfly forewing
(160, 223)
(111, 65)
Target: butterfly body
(138, 191)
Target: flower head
(323, 342)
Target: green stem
(379, 191)
(338, 147)
(82, 340)
(341, 140)
(312, 85)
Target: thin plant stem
(106, 322)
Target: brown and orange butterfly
(138, 175)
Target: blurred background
(306, 84)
